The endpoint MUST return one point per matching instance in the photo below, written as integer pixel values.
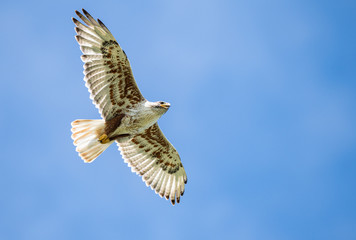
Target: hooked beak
(166, 105)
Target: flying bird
(127, 117)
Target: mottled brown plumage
(128, 118)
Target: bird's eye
(161, 102)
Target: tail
(86, 135)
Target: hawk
(127, 117)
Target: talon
(104, 139)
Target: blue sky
(263, 115)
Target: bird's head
(159, 106)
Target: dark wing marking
(154, 158)
(107, 70)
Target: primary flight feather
(128, 118)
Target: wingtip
(102, 25)
(75, 21)
(80, 15)
(173, 201)
(77, 30)
(166, 197)
(86, 14)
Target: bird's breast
(135, 123)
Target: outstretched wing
(107, 70)
(154, 158)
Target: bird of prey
(127, 117)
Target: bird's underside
(128, 118)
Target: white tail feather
(86, 135)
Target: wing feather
(107, 70)
(153, 157)
(87, 34)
